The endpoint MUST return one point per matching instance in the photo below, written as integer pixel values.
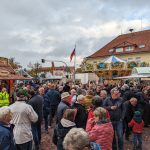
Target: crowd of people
(84, 117)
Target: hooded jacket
(60, 132)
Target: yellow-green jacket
(4, 99)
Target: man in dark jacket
(114, 105)
(130, 106)
(6, 131)
(54, 99)
(63, 105)
(81, 116)
(36, 102)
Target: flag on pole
(72, 54)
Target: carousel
(108, 68)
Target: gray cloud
(31, 30)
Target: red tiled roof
(131, 39)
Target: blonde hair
(100, 112)
(76, 139)
(5, 110)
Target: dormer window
(142, 46)
(129, 48)
(119, 49)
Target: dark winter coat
(81, 116)
(6, 137)
(60, 132)
(119, 113)
(54, 97)
(61, 109)
(127, 95)
(130, 110)
(37, 103)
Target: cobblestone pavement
(48, 145)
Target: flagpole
(75, 65)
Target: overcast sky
(35, 29)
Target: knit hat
(137, 116)
(22, 93)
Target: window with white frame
(119, 49)
(138, 59)
(129, 48)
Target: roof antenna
(131, 30)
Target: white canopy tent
(113, 59)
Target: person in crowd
(63, 105)
(97, 101)
(127, 94)
(98, 90)
(78, 139)
(41, 91)
(4, 97)
(6, 130)
(22, 116)
(103, 95)
(130, 106)
(60, 89)
(67, 86)
(100, 129)
(88, 99)
(45, 88)
(63, 127)
(146, 113)
(114, 104)
(81, 116)
(36, 101)
(137, 125)
(54, 99)
(73, 96)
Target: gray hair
(104, 91)
(124, 87)
(80, 97)
(113, 90)
(5, 110)
(76, 139)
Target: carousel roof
(113, 59)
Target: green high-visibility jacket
(4, 99)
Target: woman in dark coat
(66, 123)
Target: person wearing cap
(6, 130)
(22, 116)
(63, 105)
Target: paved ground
(48, 145)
